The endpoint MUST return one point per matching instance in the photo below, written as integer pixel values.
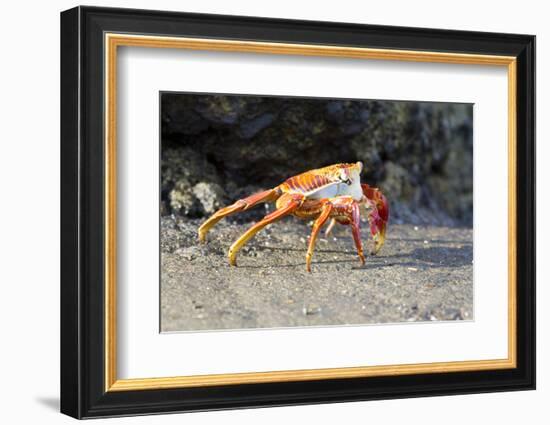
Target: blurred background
(219, 148)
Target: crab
(334, 192)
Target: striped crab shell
(327, 182)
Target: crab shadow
(441, 256)
(429, 257)
(423, 258)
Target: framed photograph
(261, 212)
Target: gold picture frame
(114, 41)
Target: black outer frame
(82, 214)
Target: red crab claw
(378, 215)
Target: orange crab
(332, 192)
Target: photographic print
(284, 212)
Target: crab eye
(344, 178)
(343, 175)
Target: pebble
(188, 254)
(311, 310)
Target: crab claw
(378, 215)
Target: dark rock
(249, 129)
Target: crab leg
(330, 226)
(355, 223)
(347, 211)
(325, 213)
(240, 205)
(288, 204)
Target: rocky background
(217, 148)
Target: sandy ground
(422, 273)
